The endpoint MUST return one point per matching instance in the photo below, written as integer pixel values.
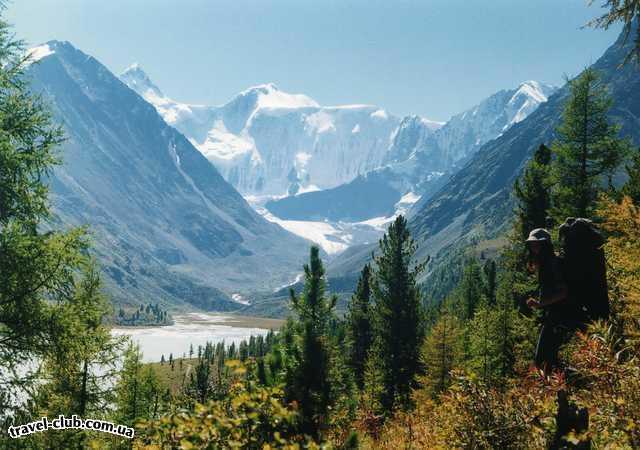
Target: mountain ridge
(419, 160)
(166, 224)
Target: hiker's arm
(559, 295)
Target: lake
(196, 329)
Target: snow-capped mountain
(461, 136)
(342, 165)
(268, 142)
(422, 155)
(165, 224)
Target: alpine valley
(335, 175)
(214, 207)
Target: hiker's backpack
(584, 267)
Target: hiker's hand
(533, 303)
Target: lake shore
(195, 329)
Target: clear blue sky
(430, 57)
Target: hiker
(561, 317)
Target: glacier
(265, 141)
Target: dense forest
(399, 370)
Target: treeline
(148, 314)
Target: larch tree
(626, 12)
(138, 392)
(36, 266)
(79, 370)
(587, 150)
(441, 353)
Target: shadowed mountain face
(478, 199)
(166, 226)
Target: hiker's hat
(539, 235)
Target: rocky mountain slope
(167, 227)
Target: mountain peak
(265, 88)
(138, 80)
(39, 52)
(269, 96)
(134, 68)
(535, 90)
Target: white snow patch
(309, 188)
(432, 125)
(239, 299)
(223, 145)
(37, 53)
(269, 96)
(356, 129)
(332, 237)
(321, 122)
(409, 199)
(379, 223)
(532, 89)
(379, 114)
(303, 158)
(321, 233)
(296, 280)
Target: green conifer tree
(359, 327)
(37, 266)
(138, 390)
(471, 290)
(309, 379)
(81, 365)
(483, 343)
(441, 353)
(531, 190)
(399, 317)
(588, 149)
(490, 274)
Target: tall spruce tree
(359, 327)
(588, 149)
(510, 331)
(399, 317)
(309, 381)
(471, 289)
(490, 274)
(531, 190)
